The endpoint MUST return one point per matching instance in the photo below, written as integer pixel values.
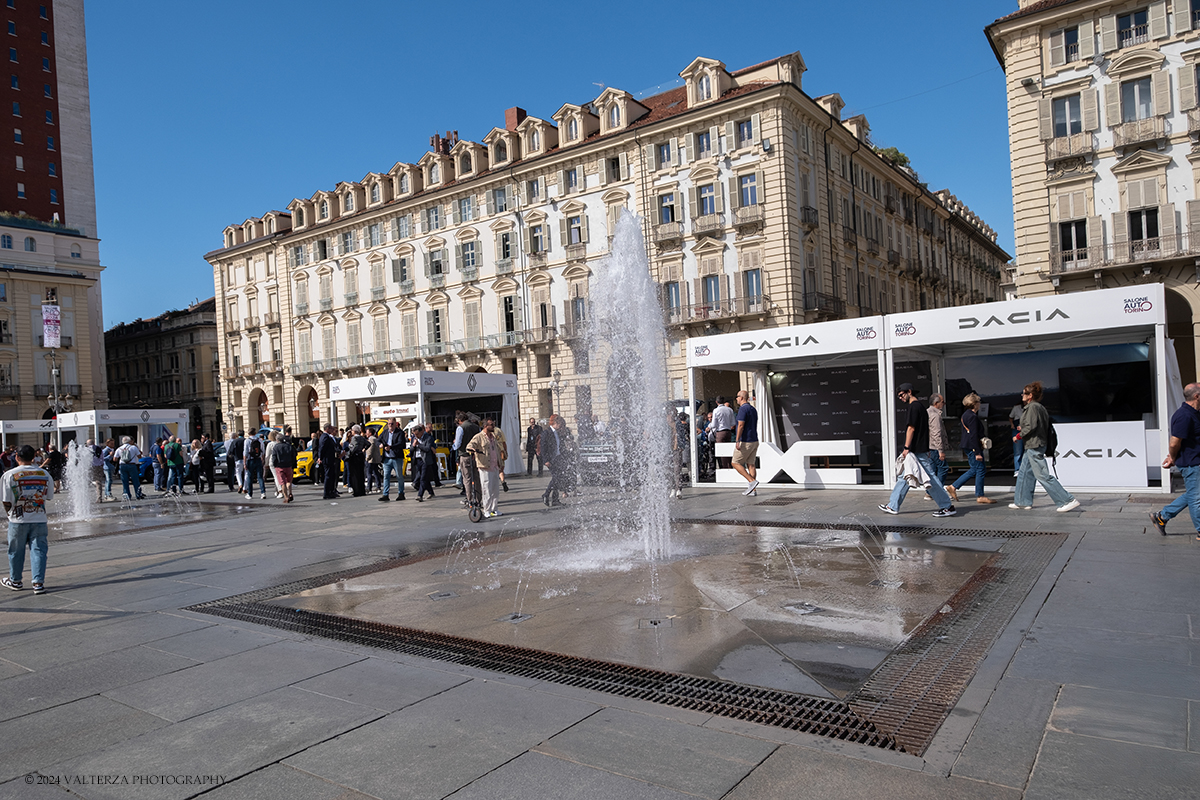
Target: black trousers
(331, 481)
(356, 467)
(209, 470)
(423, 477)
(231, 474)
(532, 454)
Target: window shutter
(755, 128)
(563, 232)
(455, 217)
(1112, 105)
(648, 157)
(718, 203)
(428, 260)
(760, 186)
(546, 237)
(1158, 19)
(602, 168)
(692, 201)
(1045, 122)
(1193, 220)
(1150, 192)
(735, 197)
(1120, 227)
(726, 295)
(689, 154)
(1185, 78)
(1166, 228)
(1183, 15)
(1160, 93)
(1062, 208)
(1078, 204)
(1108, 34)
(1091, 114)
(458, 257)
(429, 327)
(491, 204)
(518, 314)
(1133, 195)
(730, 138)
(1087, 40)
(583, 234)
(714, 140)
(697, 290)
(524, 193)
(676, 156)
(508, 197)
(1057, 49)
(1095, 235)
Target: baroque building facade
(761, 207)
(169, 361)
(1103, 125)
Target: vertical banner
(51, 327)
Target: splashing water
(78, 491)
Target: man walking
(533, 435)
(916, 443)
(159, 463)
(745, 442)
(723, 422)
(489, 457)
(1184, 452)
(208, 463)
(231, 463)
(1035, 432)
(424, 461)
(239, 464)
(327, 459)
(391, 444)
(24, 491)
(173, 455)
(253, 459)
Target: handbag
(985, 443)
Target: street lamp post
(556, 386)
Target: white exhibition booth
(13, 426)
(407, 394)
(171, 420)
(1025, 334)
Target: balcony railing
(250, 323)
(434, 349)
(545, 334)
(326, 303)
(232, 326)
(891, 203)
(378, 292)
(709, 225)
(506, 339)
(504, 266)
(576, 252)
(1193, 120)
(271, 318)
(64, 389)
(229, 373)
(539, 259)
(10, 391)
(351, 298)
(574, 329)
(849, 235)
(301, 309)
(825, 304)
(1072, 53)
(1140, 251)
(872, 246)
(1137, 34)
(66, 342)
(408, 287)
(1077, 144)
(470, 273)
(1138, 131)
(912, 267)
(809, 217)
(668, 232)
(748, 215)
(247, 369)
(275, 365)
(405, 353)
(721, 309)
(437, 281)
(894, 258)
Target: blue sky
(204, 114)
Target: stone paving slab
(435, 747)
(229, 742)
(279, 782)
(1101, 769)
(697, 761)
(380, 684)
(67, 645)
(1004, 744)
(1123, 716)
(537, 775)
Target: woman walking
(972, 447)
(1035, 432)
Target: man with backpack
(128, 458)
(173, 455)
(283, 462)
(253, 465)
(1037, 434)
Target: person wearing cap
(916, 444)
(25, 490)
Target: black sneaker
(1159, 522)
(887, 509)
(945, 512)
(383, 498)
(504, 486)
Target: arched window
(324, 209)
(403, 184)
(374, 192)
(433, 173)
(464, 165)
(348, 204)
(573, 130)
(30, 244)
(299, 217)
(704, 88)
(270, 226)
(614, 116)
(76, 252)
(535, 140)
(6, 242)
(501, 151)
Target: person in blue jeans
(1184, 453)
(25, 490)
(916, 443)
(1035, 430)
(129, 462)
(1014, 424)
(972, 447)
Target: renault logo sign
(372, 386)
(145, 416)
(472, 382)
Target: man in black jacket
(392, 443)
(532, 434)
(327, 453)
(424, 461)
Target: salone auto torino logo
(1136, 305)
(702, 350)
(905, 329)
(866, 333)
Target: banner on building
(51, 327)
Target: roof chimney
(513, 117)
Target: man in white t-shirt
(129, 463)
(24, 490)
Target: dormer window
(464, 165)
(403, 184)
(535, 140)
(299, 212)
(324, 209)
(572, 130)
(348, 203)
(614, 116)
(374, 192)
(501, 151)
(704, 88)
(433, 173)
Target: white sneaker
(1068, 506)
(1019, 508)
(679, 494)
(750, 489)
(1016, 473)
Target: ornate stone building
(169, 361)
(761, 207)
(1103, 125)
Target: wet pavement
(1087, 688)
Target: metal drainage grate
(900, 707)
(779, 501)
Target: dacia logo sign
(1015, 318)
(781, 342)
(372, 386)
(702, 350)
(471, 382)
(905, 329)
(1098, 452)
(866, 333)
(1136, 305)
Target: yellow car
(306, 466)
